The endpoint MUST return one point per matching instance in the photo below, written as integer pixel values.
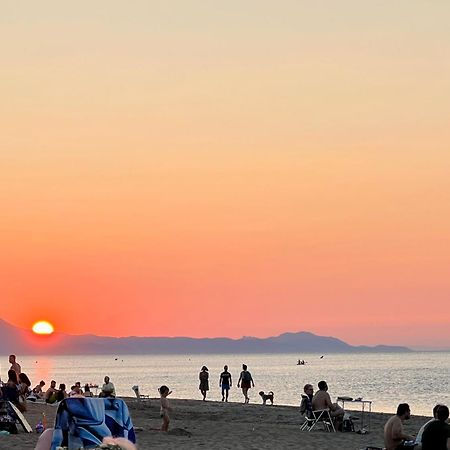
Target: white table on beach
(365, 405)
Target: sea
(421, 379)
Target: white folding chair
(320, 416)
(141, 398)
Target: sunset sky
(206, 168)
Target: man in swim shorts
(225, 383)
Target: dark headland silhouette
(20, 341)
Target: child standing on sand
(165, 407)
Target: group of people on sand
(320, 400)
(225, 382)
(54, 395)
(18, 390)
(433, 435)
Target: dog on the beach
(266, 397)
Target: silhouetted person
(50, 393)
(61, 394)
(422, 428)
(225, 383)
(436, 434)
(203, 376)
(10, 388)
(245, 381)
(15, 365)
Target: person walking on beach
(246, 382)
(15, 365)
(204, 381)
(164, 392)
(225, 383)
(394, 436)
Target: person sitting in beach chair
(322, 417)
(313, 417)
(108, 389)
(322, 401)
(306, 408)
(15, 365)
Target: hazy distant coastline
(16, 340)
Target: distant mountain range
(24, 342)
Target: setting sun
(43, 327)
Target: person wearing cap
(204, 381)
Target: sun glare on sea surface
(43, 327)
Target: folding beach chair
(10, 417)
(321, 416)
(141, 398)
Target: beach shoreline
(218, 425)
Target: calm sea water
(419, 378)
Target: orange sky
(226, 170)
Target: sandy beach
(216, 425)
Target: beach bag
(10, 427)
(347, 425)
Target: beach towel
(84, 422)
(118, 419)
